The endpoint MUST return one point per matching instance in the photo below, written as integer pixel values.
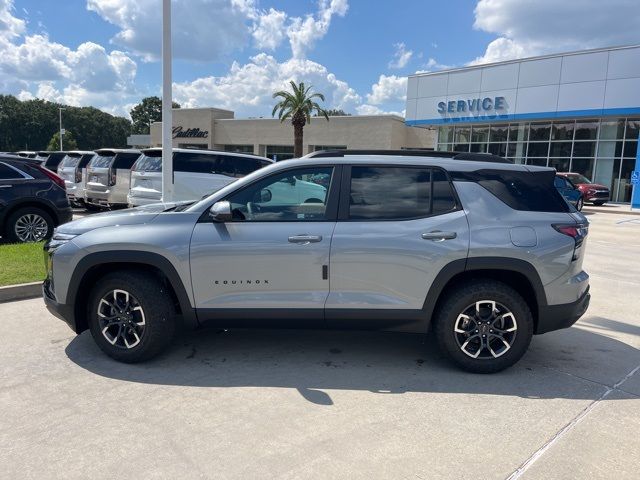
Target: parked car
(569, 191)
(595, 193)
(72, 170)
(32, 200)
(42, 156)
(53, 160)
(196, 173)
(486, 253)
(109, 176)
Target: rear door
(272, 259)
(14, 185)
(398, 226)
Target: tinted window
(244, 166)
(560, 182)
(294, 195)
(444, 199)
(384, 193)
(125, 160)
(527, 191)
(148, 164)
(86, 158)
(8, 173)
(100, 161)
(194, 162)
(70, 161)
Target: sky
(234, 54)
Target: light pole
(61, 132)
(167, 121)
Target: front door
(273, 257)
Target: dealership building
(217, 129)
(577, 111)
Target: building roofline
(525, 59)
(391, 116)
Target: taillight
(78, 176)
(577, 231)
(112, 177)
(52, 176)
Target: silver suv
(485, 252)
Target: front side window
(389, 193)
(294, 195)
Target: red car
(591, 192)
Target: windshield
(577, 178)
(148, 164)
(69, 161)
(101, 162)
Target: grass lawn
(21, 263)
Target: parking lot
(310, 404)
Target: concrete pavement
(291, 404)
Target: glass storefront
(279, 152)
(603, 150)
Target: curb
(11, 293)
(616, 211)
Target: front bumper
(556, 317)
(60, 310)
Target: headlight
(58, 240)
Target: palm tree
(298, 105)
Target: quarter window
(8, 173)
(398, 193)
(295, 195)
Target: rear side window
(148, 164)
(101, 161)
(125, 160)
(520, 190)
(8, 173)
(386, 193)
(194, 162)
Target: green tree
(337, 112)
(298, 105)
(68, 142)
(149, 110)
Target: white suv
(196, 173)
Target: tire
(29, 224)
(598, 204)
(154, 323)
(579, 204)
(465, 298)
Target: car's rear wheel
(30, 224)
(484, 326)
(131, 316)
(579, 204)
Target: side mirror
(221, 211)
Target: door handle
(438, 236)
(305, 239)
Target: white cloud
(526, 28)
(388, 88)
(248, 89)
(303, 33)
(401, 56)
(269, 30)
(202, 29)
(33, 66)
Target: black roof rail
(474, 157)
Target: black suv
(33, 200)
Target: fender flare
(134, 257)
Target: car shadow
(314, 362)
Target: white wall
(590, 83)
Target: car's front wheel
(484, 326)
(131, 316)
(579, 204)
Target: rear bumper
(135, 201)
(556, 317)
(65, 215)
(60, 310)
(105, 199)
